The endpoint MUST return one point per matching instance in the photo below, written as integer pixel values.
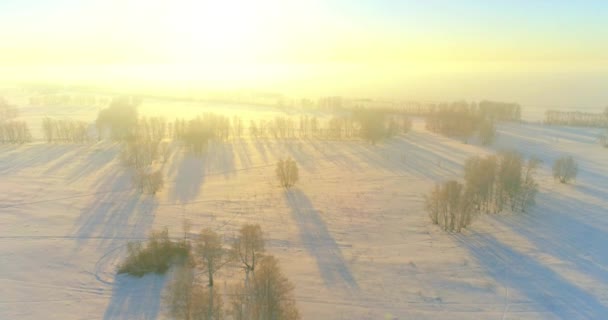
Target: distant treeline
(491, 110)
(577, 118)
(80, 100)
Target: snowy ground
(352, 235)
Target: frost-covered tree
(119, 118)
(565, 169)
(212, 255)
(287, 172)
(248, 249)
(271, 294)
(449, 206)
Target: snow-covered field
(352, 235)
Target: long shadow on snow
(537, 282)
(14, 158)
(97, 159)
(135, 298)
(318, 241)
(191, 170)
(557, 228)
(118, 211)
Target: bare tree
(565, 169)
(187, 299)
(248, 249)
(209, 248)
(529, 184)
(179, 295)
(271, 293)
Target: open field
(352, 235)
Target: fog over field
(276, 160)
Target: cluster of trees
(142, 141)
(65, 130)
(287, 172)
(14, 131)
(577, 118)
(198, 132)
(463, 120)
(264, 293)
(565, 169)
(375, 125)
(492, 184)
(119, 120)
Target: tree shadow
(412, 154)
(242, 151)
(553, 229)
(70, 157)
(319, 242)
(189, 178)
(117, 212)
(15, 158)
(529, 277)
(135, 298)
(97, 159)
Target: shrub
(156, 255)
(565, 169)
(287, 172)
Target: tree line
(76, 100)
(577, 118)
(65, 130)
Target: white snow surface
(352, 235)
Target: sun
(233, 30)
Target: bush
(287, 172)
(156, 255)
(565, 169)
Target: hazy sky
(427, 49)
